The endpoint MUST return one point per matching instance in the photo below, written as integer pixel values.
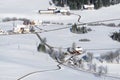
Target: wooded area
(78, 4)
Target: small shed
(52, 8)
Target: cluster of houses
(63, 10)
(22, 29)
(54, 10)
(27, 28)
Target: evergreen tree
(98, 4)
(41, 47)
(106, 3)
(74, 28)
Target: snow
(21, 6)
(97, 38)
(61, 74)
(19, 55)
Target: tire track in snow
(58, 68)
(29, 74)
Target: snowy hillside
(19, 55)
(101, 14)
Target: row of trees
(79, 30)
(111, 57)
(78, 4)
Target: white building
(64, 10)
(46, 11)
(52, 8)
(89, 7)
(22, 29)
(79, 50)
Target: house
(46, 11)
(52, 8)
(77, 50)
(64, 10)
(88, 7)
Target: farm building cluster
(54, 10)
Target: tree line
(78, 4)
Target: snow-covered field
(19, 55)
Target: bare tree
(111, 56)
(118, 56)
(94, 67)
(100, 70)
(90, 57)
(61, 55)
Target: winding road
(29, 74)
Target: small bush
(111, 24)
(41, 48)
(116, 36)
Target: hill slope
(18, 53)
